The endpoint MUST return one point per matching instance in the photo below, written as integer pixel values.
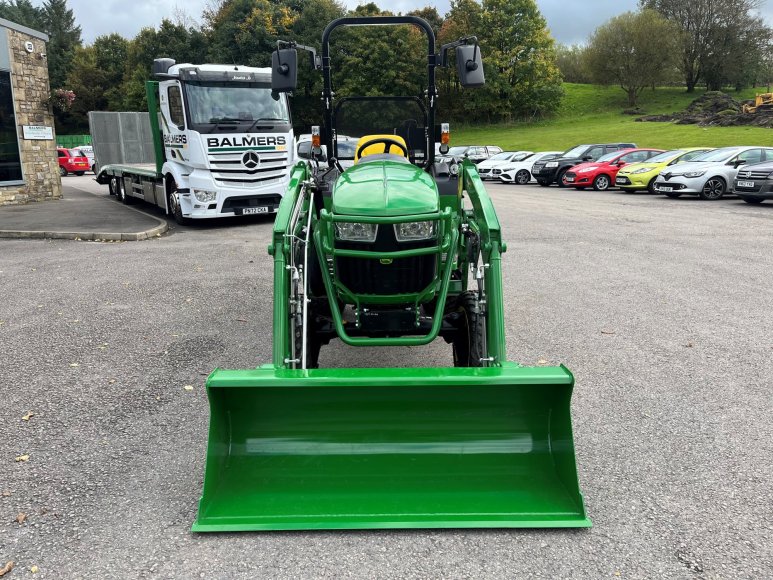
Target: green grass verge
(593, 114)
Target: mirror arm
(316, 61)
(461, 42)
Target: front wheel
(560, 178)
(651, 185)
(713, 189)
(522, 177)
(120, 192)
(753, 200)
(175, 209)
(470, 340)
(601, 183)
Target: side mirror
(739, 162)
(284, 70)
(620, 163)
(469, 65)
(587, 158)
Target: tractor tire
(560, 178)
(522, 177)
(62, 171)
(543, 182)
(468, 344)
(601, 183)
(753, 200)
(713, 189)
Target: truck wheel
(112, 186)
(560, 178)
(62, 171)
(522, 177)
(120, 192)
(471, 333)
(176, 210)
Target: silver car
(710, 175)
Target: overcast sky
(570, 21)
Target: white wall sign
(38, 132)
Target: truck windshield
(244, 104)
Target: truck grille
(230, 168)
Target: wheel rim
(172, 204)
(62, 171)
(522, 177)
(714, 189)
(113, 185)
(602, 182)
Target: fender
(180, 178)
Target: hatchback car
(72, 161)
(601, 174)
(710, 175)
(520, 172)
(486, 168)
(641, 176)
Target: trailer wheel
(468, 345)
(120, 192)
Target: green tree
(571, 61)
(65, 37)
(634, 51)
(23, 12)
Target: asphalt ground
(662, 308)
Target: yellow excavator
(762, 102)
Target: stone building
(29, 170)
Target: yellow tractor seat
(380, 148)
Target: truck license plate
(251, 210)
(745, 184)
(666, 188)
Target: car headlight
(413, 231)
(356, 232)
(694, 173)
(551, 164)
(204, 195)
(587, 170)
(641, 170)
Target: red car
(600, 174)
(72, 161)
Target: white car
(711, 174)
(345, 144)
(88, 151)
(520, 171)
(486, 168)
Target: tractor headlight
(413, 231)
(694, 174)
(356, 232)
(204, 196)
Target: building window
(10, 161)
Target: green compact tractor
(395, 250)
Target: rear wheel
(470, 340)
(601, 183)
(543, 182)
(62, 171)
(112, 186)
(753, 200)
(522, 177)
(713, 189)
(120, 192)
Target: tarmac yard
(663, 310)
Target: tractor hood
(385, 188)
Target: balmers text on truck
(222, 139)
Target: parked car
(639, 176)
(710, 175)
(72, 161)
(88, 151)
(601, 174)
(520, 172)
(754, 183)
(553, 171)
(486, 168)
(475, 153)
(346, 147)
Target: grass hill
(593, 114)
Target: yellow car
(642, 175)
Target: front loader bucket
(390, 448)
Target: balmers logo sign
(172, 140)
(246, 141)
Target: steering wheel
(387, 141)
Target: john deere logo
(251, 160)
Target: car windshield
(457, 151)
(718, 155)
(576, 152)
(665, 156)
(234, 103)
(608, 157)
(501, 156)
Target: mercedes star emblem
(250, 160)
